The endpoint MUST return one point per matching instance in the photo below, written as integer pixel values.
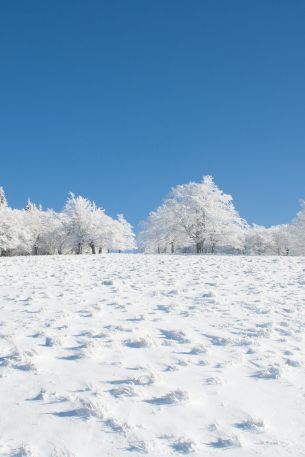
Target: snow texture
(124, 355)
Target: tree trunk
(92, 248)
(79, 248)
(199, 247)
(100, 251)
(172, 247)
(35, 251)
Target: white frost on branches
(201, 218)
(80, 228)
(194, 218)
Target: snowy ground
(126, 355)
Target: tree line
(194, 218)
(80, 228)
(201, 218)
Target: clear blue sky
(119, 100)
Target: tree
(79, 222)
(34, 221)
(161, 233)
(88, 227)
(282, 239)
(259, 241)
(123, 235)
(53, 233)
(297, 232)
(3, 201)
(198, 214)
(9, 230)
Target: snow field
(121, 355)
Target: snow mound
(175, 335)
(171, 398)
(184, 446)
(139, 342)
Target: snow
(122, 355)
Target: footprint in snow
(137, 343)
(139, 318)
(171, 398)
(293, 363)
(165, 308)
(197, 350)
(107, 283)
(170, 368)
(125, 391)
(138, 446)
(175, 335)
(83, 410)
(144, 380)
(218, 340)
(271, 372)
(24, 366)
(251, 425)
(225, 443)
(184, 446)
(116, 426)
(79, 413)
(72, 357)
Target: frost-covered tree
(80, 227)
(259, 241)
(3, 201)
(195, 217)
(161, 233)
(9, 233)
(80, 215)
(88, 227)
(53, 233)
(123, 236)
(194, 214)
(297, 232)
(34, 221)
(282, 239)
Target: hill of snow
(127, 355)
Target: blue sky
(121, 100)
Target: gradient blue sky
(120, 100)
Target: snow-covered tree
(90, 227)
(3, 201)
(80, 215)
(197, 214)
(123, 235)
(9, 233)
(33, 219)
(259, 241)
(282, 239)
(297, 232)
(53, 233)
(195, 217)
(161, 233)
